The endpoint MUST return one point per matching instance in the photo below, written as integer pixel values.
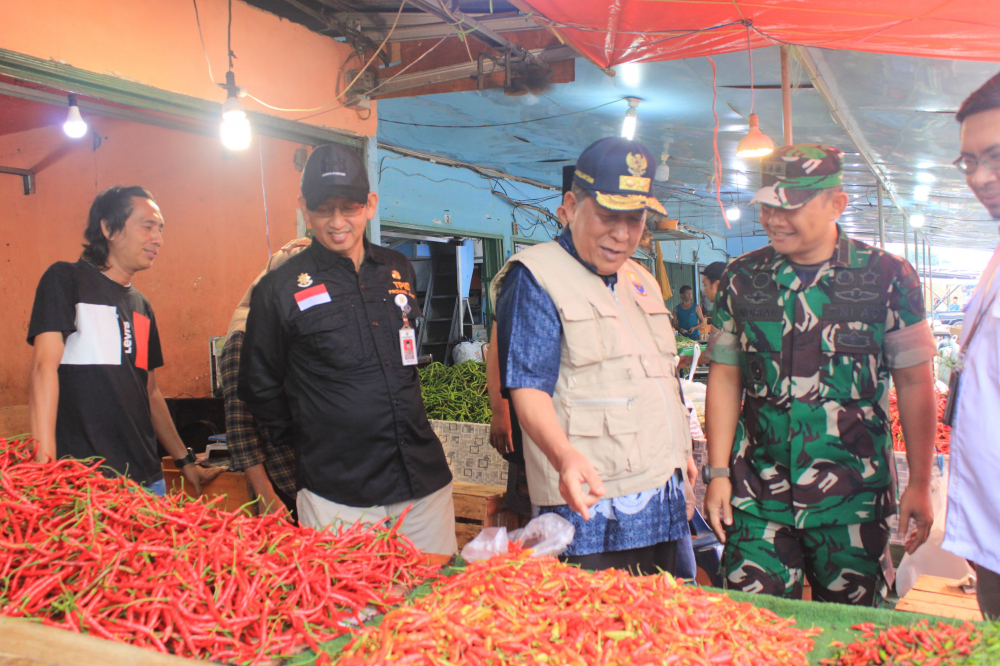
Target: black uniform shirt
(321, 368)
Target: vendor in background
(269, 468)
(326, 368)
(954, 306)
(710, 277)
(97, 348)
(972, 529)
(688, 315)
(800, 484)
(587, 356)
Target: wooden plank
(466, 532)
(940, 585)
(476, 502)
(965, 601)
(14, 421)
(38, 644)
(474, 508)
(939, 610)
(477, 490)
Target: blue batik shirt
(529, 336)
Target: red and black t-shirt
(111, 344)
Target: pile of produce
(88, 553)
(941, 442)
(456, 393)
(515, 609)
(683, 342)
(918, 645)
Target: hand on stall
(718, 508)
(575, 469)
(198, 476)
(915, 503)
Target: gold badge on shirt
(305, 280)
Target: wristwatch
(709, 473)
(186, 460)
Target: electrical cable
(715, 147)
(519, 122)
(749, 53)
(197, 20)
(263, 187)
(229, 38)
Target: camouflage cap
(792, 175)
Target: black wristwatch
(186, 460)
(709, 473)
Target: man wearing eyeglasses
(800, 483)
(973, 525)
(328, 367)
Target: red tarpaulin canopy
(620, 31)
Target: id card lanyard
(407, 336)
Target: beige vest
(617, 397)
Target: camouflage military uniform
(812, 462)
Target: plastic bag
(467, 351)
(930, 559)
(548, 534)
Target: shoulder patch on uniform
(304, 280)
(637, 283)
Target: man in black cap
(587, 355)
(710, 276)
(327, 366)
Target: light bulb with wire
(733, 214)
(755, 143)
(917, 220)
(74, 127)
(235, 129)
(631, 116)
(663, 169)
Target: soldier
(812, 326)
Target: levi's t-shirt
(111, 345)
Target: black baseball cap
(334, 171)
(714, 270)
(618, 172)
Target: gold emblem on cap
(637, 164)
(396, 275)
(589, 179)
(305, 280)
(634, 183)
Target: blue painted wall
(742, 244)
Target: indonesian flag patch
(307, 298)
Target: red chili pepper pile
(918, 645)
(942, 441)
(516, 609)
(87, 553)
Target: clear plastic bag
(548, 534)
(930, 559)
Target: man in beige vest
(587, 355)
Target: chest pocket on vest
(761, 362)
(605, 431)
(593, 331)
(658, 318)
(849, 360)
(332, 335)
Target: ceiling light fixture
(755, 143)
(733, 214)
(924, 177)
(628, 125)
(917, 220)
(235, 130)
(630, 74)
(74, 127)
(922, 192)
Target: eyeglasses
(968, 164)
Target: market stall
(84, 554)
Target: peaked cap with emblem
(791, 176)
(619, 172)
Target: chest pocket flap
(658, 318)
(333, 336)
(581, 340)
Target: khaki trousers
(430, 524)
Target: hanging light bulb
(235, 130)
(755, 143)
(917, 220)
(733, 214)
(628, 125)
(663, 169)
(75, 127)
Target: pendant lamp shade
(755, 143)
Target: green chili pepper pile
(517, 609)
(456, 393)
(683, 342)
(87, 553)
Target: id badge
(408, 345)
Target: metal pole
(930, 273)
(786, 93)
(916, 264)
(906, 246)
(881, 216)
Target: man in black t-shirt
(96, 349)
